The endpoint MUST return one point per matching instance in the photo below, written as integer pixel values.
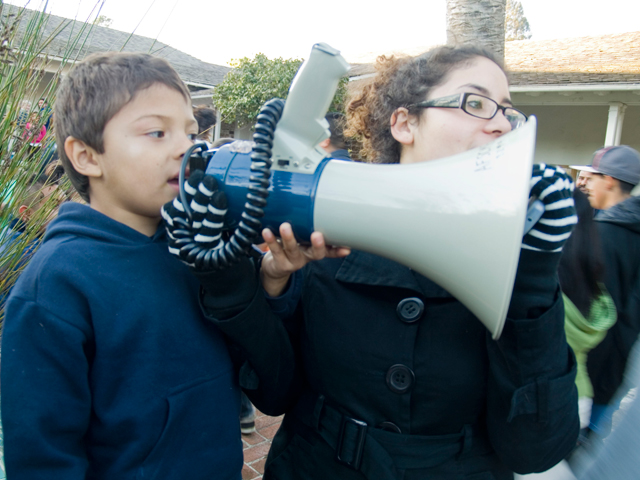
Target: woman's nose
(498, 124)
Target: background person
(33, 131)
(616, 170)
(206, 118)
(583, 178)
(45, 112)
(35, 210)
(336, 145)
(589, 308)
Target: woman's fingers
(318, 249)
(322, 250)
(270, 239)
(338, 252)
(289, 243)
(289, 256)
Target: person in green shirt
(589, 308)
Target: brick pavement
(256, 445)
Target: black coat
(619, 229)
(437, 394)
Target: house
(73, 40)
(584, 91)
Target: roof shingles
(101, 39)
(584, 60)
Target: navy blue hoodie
(109, 370)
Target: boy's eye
(192, 136)
(158, 134)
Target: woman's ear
(401, 126)
(83, 158)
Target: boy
(109, 369)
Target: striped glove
(554, 188)
(194, 240)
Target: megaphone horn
(458, 221)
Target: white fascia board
(592, 87)
(202, 85)
(209, 95)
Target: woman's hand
(286, 256)
(554, 188)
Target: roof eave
(576, 87)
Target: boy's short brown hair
(95, 90)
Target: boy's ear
(402, 126)
(82, 157)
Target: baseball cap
(621, 162)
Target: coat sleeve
(532, 404)
(607, 362)
(46, 399)
(262, 350)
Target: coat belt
(379, 454)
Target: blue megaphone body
(290, 199)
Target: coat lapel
(368, 269)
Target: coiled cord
(250, 226)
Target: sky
(219, 31)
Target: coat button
(400, 379)
(410, 310)
(389, 427)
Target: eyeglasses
(477, 106)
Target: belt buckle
(361, 436)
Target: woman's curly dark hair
(400, 82)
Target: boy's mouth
(174, 183)
(176, 179)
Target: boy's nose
(182, 148)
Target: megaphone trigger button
(410, 309)
(400, 378)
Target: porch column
(614, 124)
(216, 131)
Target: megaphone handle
(534, 213)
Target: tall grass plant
(27, 73)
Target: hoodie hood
(76, 219)
(626, 214)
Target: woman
(396, 378)
(589, 309)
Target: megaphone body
(458, 221)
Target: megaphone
(459, 221)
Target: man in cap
(614, 171)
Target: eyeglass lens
(483, 107)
